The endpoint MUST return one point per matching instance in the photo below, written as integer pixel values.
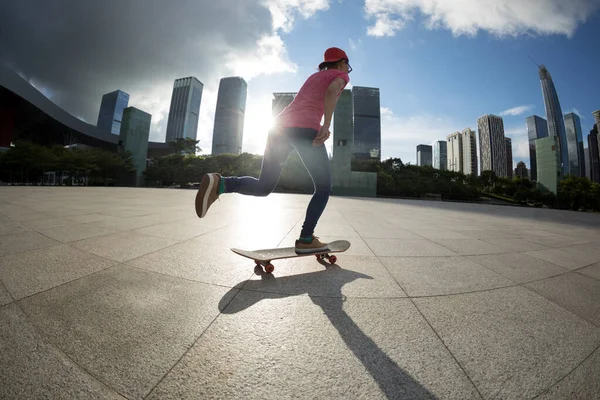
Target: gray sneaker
(207, 194)
(314, 246)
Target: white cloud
(284, 11)
(517, 110)
(467, 17)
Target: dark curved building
(26, 114)
(554, 117)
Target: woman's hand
(322, 136)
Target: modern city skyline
(184, 111)
(574, 144)
(509, 158)
(367, 123)
(228, 130)
(111, 111)
(537, 128)
(554, 117)
(343, 131)
(424, 155)
(440, 155)
(492, 146)
(469, 143)
(455, 152)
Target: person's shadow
(393, 381)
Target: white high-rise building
(185, 109)
(455, 152)
(469, 145)
(492, 146)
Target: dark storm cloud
(81, 49)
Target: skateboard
(263, 257)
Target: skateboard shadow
(392, 380)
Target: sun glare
(257, 123)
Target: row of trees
(181, 167)
(27, 163)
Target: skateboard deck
(265, 256)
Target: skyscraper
(281, 101)
(594, 155)
(343, 132)
(521, 170)
(367, 123)
(537, 128)
(548, 162)
(469, 143)
(596, 115)
(455, 152)
(424, 155)
(574, 144)
(185, 109)
(228, 130)
(492, 146)
(111, 111)
(440, 155)
(586, 156)
(509, 158)
(554, 116)
(133, 137)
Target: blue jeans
(280, 143)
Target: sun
(258, 121)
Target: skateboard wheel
(332, 259)
(269, 268)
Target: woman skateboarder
(297, 127)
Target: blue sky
(434, 82)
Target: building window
(341, 142)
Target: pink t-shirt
(308, 107)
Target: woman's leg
(316, 161)
(276, 153)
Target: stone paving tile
(592, 270)
(562, 258)
(37, 270)
(32, 368)
(302, 347)
(511, 342)
(7, 228)
(47, 223)
(23, 241)
(470, 246)
(125, 326)
(206, 259)
(582, 383)
(75, 232)
(519, 267)
(4, 295)
(123, 246)
(406, 247)
(432, 276)
(175, 231)
(575, 292)
(519, 245)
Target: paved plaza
(123, 293)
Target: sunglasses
(348, 64)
